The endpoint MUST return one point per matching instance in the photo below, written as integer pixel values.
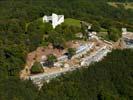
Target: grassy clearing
(68, 21)
(72, 22)
(128, 5)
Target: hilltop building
(54, 19)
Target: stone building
(54, 19)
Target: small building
(124, 30)
(54, 19)
(92, 35)
(89, 27)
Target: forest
(19, 36)
(120, 1)
(109, 79)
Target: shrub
(36, 68)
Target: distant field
(72, 22)
(126, 5)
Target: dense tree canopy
(71, 52)
(110, 79)
(114, 34)
(36, 68)
(15, 89)
(22, 31)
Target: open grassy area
(68, 21)
(128, 5)
(72, 22)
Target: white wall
(56, 19)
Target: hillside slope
(110, 79)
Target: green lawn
(68, 21)
(72, 22)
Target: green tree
(36, 68)
(56, 39)
(71, 52)
(114, 34)
(51, 58)
(106, 23)
(84, 30)
(96, 27)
